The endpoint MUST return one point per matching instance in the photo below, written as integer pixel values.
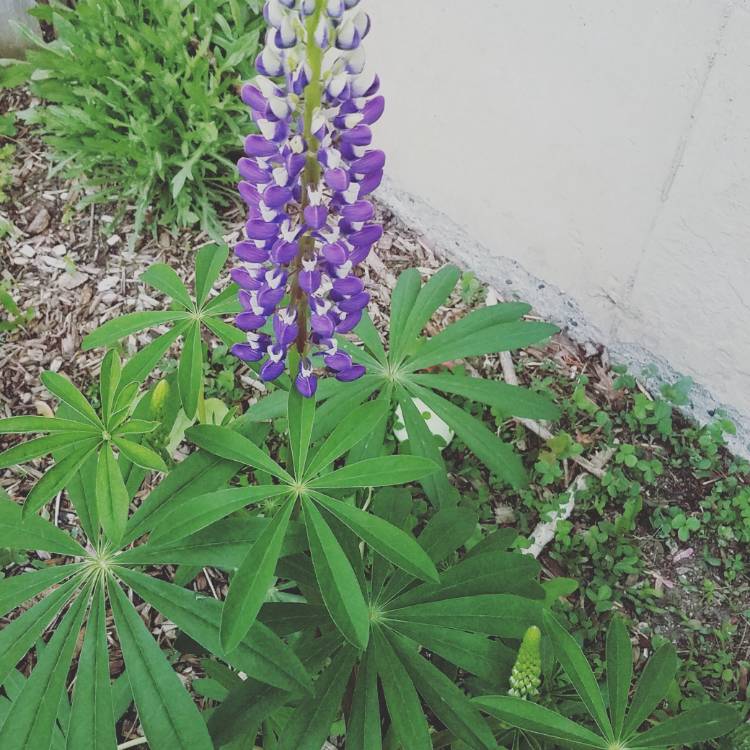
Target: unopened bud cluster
(526, 676)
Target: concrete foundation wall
(603, 145)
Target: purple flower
(305, 178)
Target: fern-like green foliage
(140, 100)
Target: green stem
(311, 176)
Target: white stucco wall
(603, 144)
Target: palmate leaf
(167, 713)
(92, 720)
(447, 701)
(118, 328)
(20, 425)
(376, 472)
(37, 447)
(15, 590)
(698, 724)
(401, 698)
(165, 279)
(337, 581)
(402, 301)
(33, 533)
(190, 370)
(363, 724)
(579, 672)
(112, 498)
(386, 539)
(311, 721)
(209, 261)
(301, 414)
(249, 586)
(70, 395)
(20, 634)
(31, 720)
(619, 672)
(260, 653)
(540, 720)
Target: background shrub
(141, 101)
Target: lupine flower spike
(526, 676)
(306, 178)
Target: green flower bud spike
(526, 676)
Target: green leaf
(619, 672)
(653, 685)
(260, 654)
(118, 328)
(504, 337)
(112, 498)
(339, 405)
(377, 472)
(208, 264)
(191, 514)
(579, 672)
(33, 533)
(433, 294)
(498, 456)
(507, 399)
(229, 444)
(422, 443)
(109, 381)
(472, 652)
(402, 301)
(141, 364)
(504, 615)
(168, 715)
(539, 720)
(92, 720)
(165, 279)
(301, 414)
(249, 586)
(310, 722)
(20, 425)
(136, 427)
(401, 697)
(371, 337)
(706, 722)
(490, 573)
(336, 579)
(363, 725)
(18, 636)
(349, 432)
(229, 335)
(31, 720)
(70, 395)
(448, 702)
(60, 475)
(15, 590)
(140, 455)
(224, 303)
(190, 370)
(386, 539)
(41, 446)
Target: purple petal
(370, 182)
(373, 110)
(248, 252)
(249, 194)
(268, 298)
(335, 253)
(359, 211)
(261, 230)
(272, 370)
(251, 172)
(243, 278)
(355, 304)
(322, 325)
(368, 235)
(349, 286)
(337, 179)
(316, 216)
(372, 161)
(246, 353)
(306, 384)
(349, 322)
(309, 281)
(360, 135)
(284, 252)
(275, 196)
(359, 254)
(248, 321)
(252, 96)
(338, 362)
(355, 372)
(257, 145)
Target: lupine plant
(349, 613)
